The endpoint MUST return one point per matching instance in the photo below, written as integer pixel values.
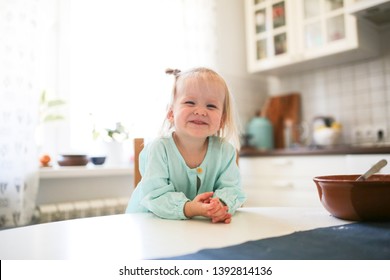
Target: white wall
(357, 94)
(249, 90)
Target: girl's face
(198, 108)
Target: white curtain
(19, 24)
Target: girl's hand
(204, 197)
(199, 206)
(218, 212)
(205, 205)
(227, 218)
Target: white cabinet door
(358, 164)
(289, 35)
(269, 33)
(292, 166)
(286, 181)
(327, 28)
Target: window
(112, 58)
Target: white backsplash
(356, 94)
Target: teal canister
(260, 132)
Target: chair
(138, 146)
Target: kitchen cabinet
(358, 164)
(288, 180)
(375, 11)
(269, 34)
(365, 5)
(292, 35)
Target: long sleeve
(228, 185)
(155, 192)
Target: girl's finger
(204, 196)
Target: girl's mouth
(198, 122)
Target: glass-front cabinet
(290, 35)
(324, 22)
(269, 33)
(326, 27)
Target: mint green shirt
(168, 183)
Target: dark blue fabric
(358, 241)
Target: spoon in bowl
(374, 169)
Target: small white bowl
(326, 137)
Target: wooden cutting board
(280, 108)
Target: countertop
(314, 150)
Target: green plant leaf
(43, 97)
(50, 118)
(55, 102)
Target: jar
(260, 132)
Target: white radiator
(80, 209)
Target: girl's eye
(211, 106)
(189, 102)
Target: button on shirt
(168, 183)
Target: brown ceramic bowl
(72, 160)
(348, 199)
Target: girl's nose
(200, 111)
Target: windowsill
(84, 171)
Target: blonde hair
(229, 130)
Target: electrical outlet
(357, 135)
(364, 134)
(380, 132)
(369, 135)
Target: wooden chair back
(138, 146)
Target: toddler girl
(191, 169)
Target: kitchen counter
(307, 151)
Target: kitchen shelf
(84, 171)
(336, 150)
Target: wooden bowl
(348, 199)
(72, 160)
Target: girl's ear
(170, 115)
(222, 124)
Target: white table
(145, 236)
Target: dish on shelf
(72, 160)
(98, 160)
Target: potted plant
(113, 139)
(48, 113)
(47, 108)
